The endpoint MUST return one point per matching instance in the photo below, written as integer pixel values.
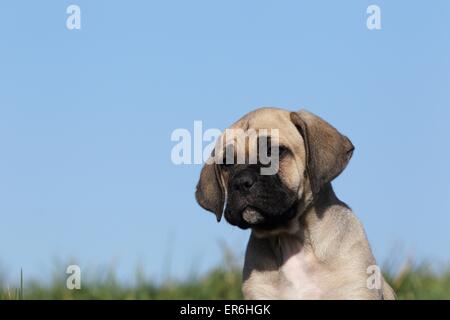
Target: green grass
(414, 281)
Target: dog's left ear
(327, 151)
(210, 193)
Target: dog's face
(306, 152)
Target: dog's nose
(244, 181)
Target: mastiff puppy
(305, 243)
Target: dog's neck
(312, 220)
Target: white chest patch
(301, 273)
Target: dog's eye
(282, 151)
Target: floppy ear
(327, 151)
(209, 193)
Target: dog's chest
(300, 275)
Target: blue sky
(86, 117)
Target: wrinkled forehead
(270, 125)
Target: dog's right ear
(210, 193)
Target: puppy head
(306, 152)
